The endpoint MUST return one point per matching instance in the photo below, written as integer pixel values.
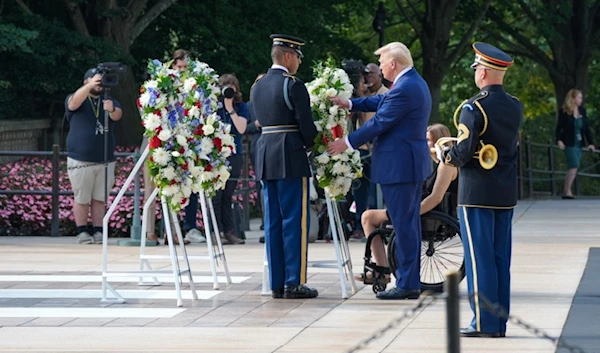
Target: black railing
(55, 191)
(542, 170)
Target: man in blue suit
(400, 161)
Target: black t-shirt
(85, 141)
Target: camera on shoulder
(110, 72)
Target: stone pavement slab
(551, 240)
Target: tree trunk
(129, 130)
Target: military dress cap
(286, 41)
(490, 56)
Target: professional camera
(110, 73)
(228, 92)
(355, 70)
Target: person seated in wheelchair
(443, 179)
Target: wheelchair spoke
(457, 264)
(448, 243)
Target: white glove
(439, 151)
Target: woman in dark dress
(443, 179)
(571, 130)
(235, 113)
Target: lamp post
(379, 22)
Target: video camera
(110, 73)
(355, 70)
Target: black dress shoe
(277, 294)
(262, 240)
(568, 197)
(262, 227)
(299, 292)
(471, 332)
(399, 293)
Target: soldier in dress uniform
(487, 191)
(282, 106)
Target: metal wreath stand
(215, 251)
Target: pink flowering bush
(32, 214)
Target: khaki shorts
(88, 182)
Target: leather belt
(279, 129)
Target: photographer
(234, 112)
(358, 74)
(85, 111)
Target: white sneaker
(85, 238)
(195, 236)
(97, 238)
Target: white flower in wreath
(323, 158)
(194, 112)
(344, 157)
(144, 99)
(208, 130)
(333, 110)
(177, 198)
(340, 168)
(355, 157)
(206, 176)
(186, 190)
(151, 84)
(224, 172)
(151, 121)
(188, 84)
(226, 151)
(164, 134)
(176, 154)
(332, 92)
(181, 140)
(206, 145)
(170, 190)
(161, 156)
(169, 173)
(210, 120)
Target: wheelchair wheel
(441, 250)
(379, 287)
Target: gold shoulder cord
(483, 113)
(457, 112)
(285, 74)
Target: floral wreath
(188, 143)
(334, 173)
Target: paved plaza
(50, 297)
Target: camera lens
(228, 92)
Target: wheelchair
(441, 250)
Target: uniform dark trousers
(191, 213)
(403, 202)
(487, 242)
(223, 198)
(286, 230)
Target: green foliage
(233, 36)
(13, 38)
(55, 59)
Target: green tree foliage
(233, 36)
(40, 68)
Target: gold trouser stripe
(304, 231)
(490, 207)
(474, 269)
(279, 131)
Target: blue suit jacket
(398, 131)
